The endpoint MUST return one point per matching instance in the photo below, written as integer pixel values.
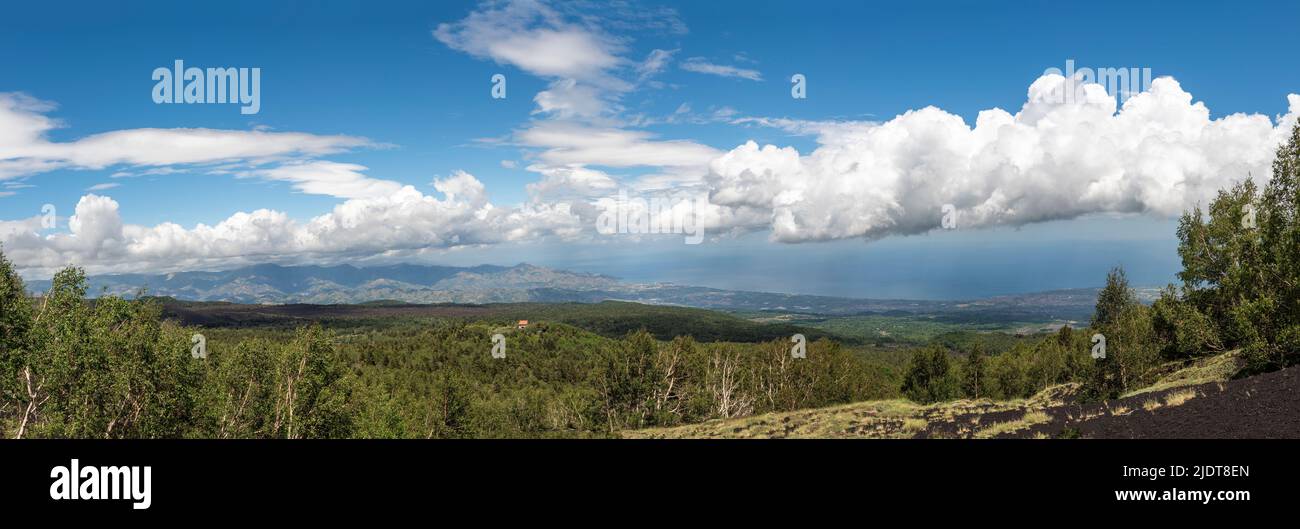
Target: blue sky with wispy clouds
(378, 140)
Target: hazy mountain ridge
(343, 284)
(346, 284)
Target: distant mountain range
(345, 284)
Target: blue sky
(376, 91)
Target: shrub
(930, 377)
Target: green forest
(72, 366)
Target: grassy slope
(964, 418)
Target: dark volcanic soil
(1260, 407)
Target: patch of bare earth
(1262, 406)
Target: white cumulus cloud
(405, 222)
(1054, 159)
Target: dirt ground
(1260, 407)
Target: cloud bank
(403, 223)
(1054, 159)
(1158, 155)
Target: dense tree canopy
(110, 368)
(1241, 270)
